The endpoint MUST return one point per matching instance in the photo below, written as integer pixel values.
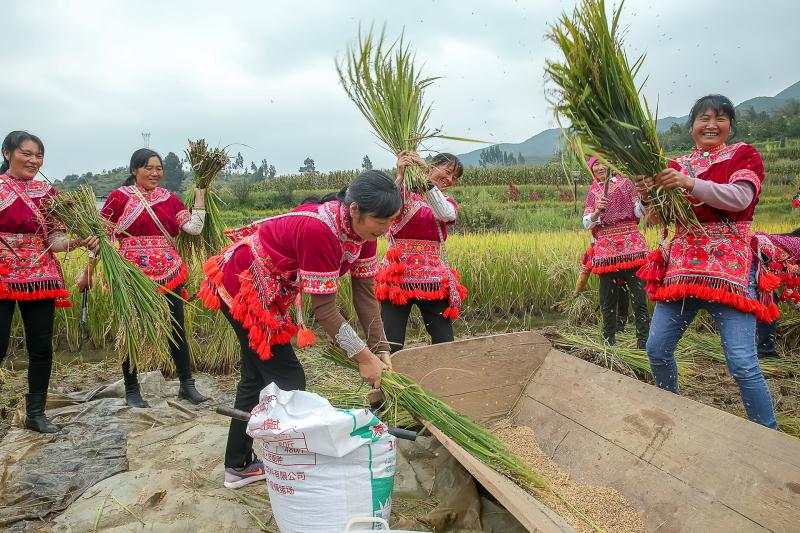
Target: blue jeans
(738, 332)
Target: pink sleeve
(319, 258)
(591, 200)
(112, 208)
(733, 197)
(182, 214)
(748, 167)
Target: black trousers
(395, 321)
(37, 319)
(178, 347)
(616, 287)
(283, 368)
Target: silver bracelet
(349, 341)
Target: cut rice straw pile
(620, 357)
(143, 320)
(597, 93)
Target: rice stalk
(141, 313)
(622, 357)
(206, 164)
(596, 91)
(388, 90)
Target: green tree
(173, 173)
(366, 164)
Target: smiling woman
(31, 275)
(146, 220)
(713, 266)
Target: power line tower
(146, 138)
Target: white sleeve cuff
(196, 221)
(442, 209)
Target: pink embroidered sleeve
(591, 200)
(319, 258)
(749, 167)
(366, 266)
(112, 210)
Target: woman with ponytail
(256, 280)
(415, 270)
(30, 275)
(145, 220)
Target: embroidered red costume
(415, 265)
(781, 263)
(140, 239)
(714, 262)
(618, 244)
(259, 276)
(31, 271)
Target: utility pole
(146, 138)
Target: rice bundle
(143, 320)
(388, 89)
(597, 93)
(401, 392)
(206, 165)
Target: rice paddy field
(518, 254)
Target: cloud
(91, 76)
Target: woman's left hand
(669, 178)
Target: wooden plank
(684, 464)
(483, 376)
(531, 513)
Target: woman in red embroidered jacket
(713, 267)
(256, 280)
(146, 220)
(612, 212)
(415, 269)
(30, 275)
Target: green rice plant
(142, 321)
(388, 89)
(401, 392)
(789, 424)
(206, 165)
(596, 92)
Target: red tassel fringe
(180, 278)
(61, 296)
(207, 293)
(264, 329)
(389, 283)
(305, 338)
(764, 312)
(767, 281)
(625, 265)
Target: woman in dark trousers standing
(415, 269)
(257, 280)
(30, 275)
(147, 219)
(612, 212)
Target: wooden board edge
(530, 512)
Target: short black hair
(13, 141)
(450, 160)
(721, 105)
(139, 160)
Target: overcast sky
(89, 77)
